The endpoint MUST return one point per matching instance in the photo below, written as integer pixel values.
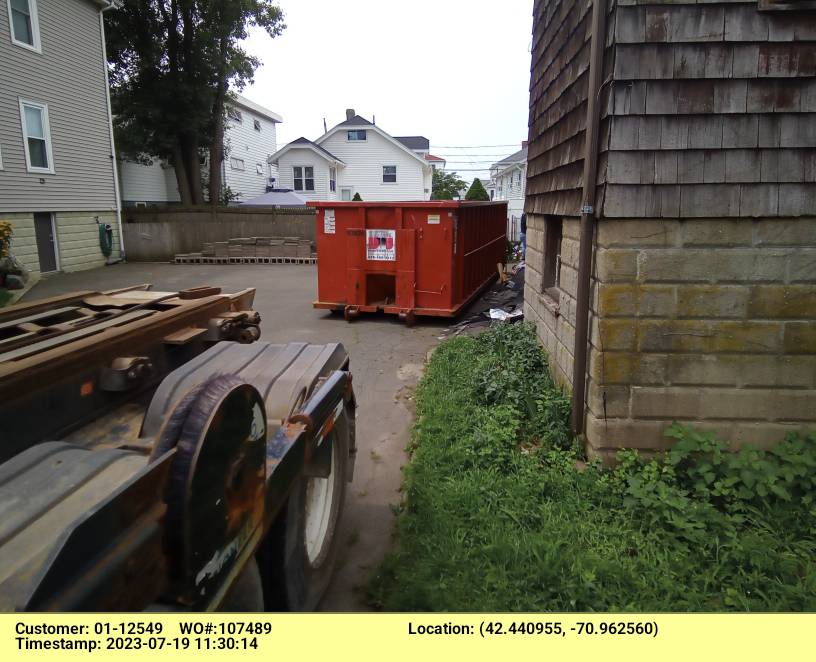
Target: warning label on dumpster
(381, 245)
(328, 221)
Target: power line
(473, 146)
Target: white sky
(454, 71)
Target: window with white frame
(25, 28)
(36, 136)
(259, 168)
(235, 114)
(389, 174)
(257, 124)
(237, 164)
(332, 179)
(356, 135)
(304, 178)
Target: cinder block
(617, 299)
(616, 264)
(802, 266)
(628, 368)
(633, 233)
(717, 232)
(609, 401)
(786, 232)
(615, 334)
(704, 336)
(710, 265)
(742, 370)
(759, 404)
(712, 301)
(762, 435)
(616, 434)
(800, 338)
(656, 301)
(665, 402)
(783, 301)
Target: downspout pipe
(110, 130)
(588, 213)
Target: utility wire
(473, 146)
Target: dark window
(304, 178)
(332, 179)
(235, 114)
(389, 174)
(357, 134)
(552, 256)
(257, 124)
(22, 25)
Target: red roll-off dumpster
(407, 258)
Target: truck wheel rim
(319, 501)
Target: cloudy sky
(455, 71)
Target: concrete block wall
(555, 321)
(77, 239)
(709, 322)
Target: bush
(356, 198)
(498, 516)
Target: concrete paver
(386, 360)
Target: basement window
(552, 257)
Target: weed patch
(497, 517)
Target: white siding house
(363, 158)
(57, 175)
(249, 140)
(509, 177)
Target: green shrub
(497, 516)
(477, 191)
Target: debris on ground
(503, 302)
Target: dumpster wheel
(298, 556)
(350, 313)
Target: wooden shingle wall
(710, 110)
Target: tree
(445, 185)
(477, 191)
(171, 64)
(356, 198)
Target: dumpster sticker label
(433, 219)
(381, 245)
(328, 221)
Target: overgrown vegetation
(500, 515)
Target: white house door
(345, 193)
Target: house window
(25, 29)
(237, 164)
(259, 168)
(332, 179)
(304, 178)
(36, 136)
(552, 256)
(235, 114)
(390, 174)
(356, 135)
(257, 124)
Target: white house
(355, 156)
(249, 139)
(509, 178)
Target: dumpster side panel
(481, 238)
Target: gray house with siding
(671, 203)
(57, 171)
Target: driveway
(386, 360)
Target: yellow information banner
(414, 637)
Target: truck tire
(246, 594)
(298, 555)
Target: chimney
(523, 144)
(350, 113)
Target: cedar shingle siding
(710, 110)
(703, 282)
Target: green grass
(497, 517)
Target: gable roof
(431, 157)
(518, 157)
(370, 127)
(256, 108)
(414, 142)
(307, 144)
(355, 121)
